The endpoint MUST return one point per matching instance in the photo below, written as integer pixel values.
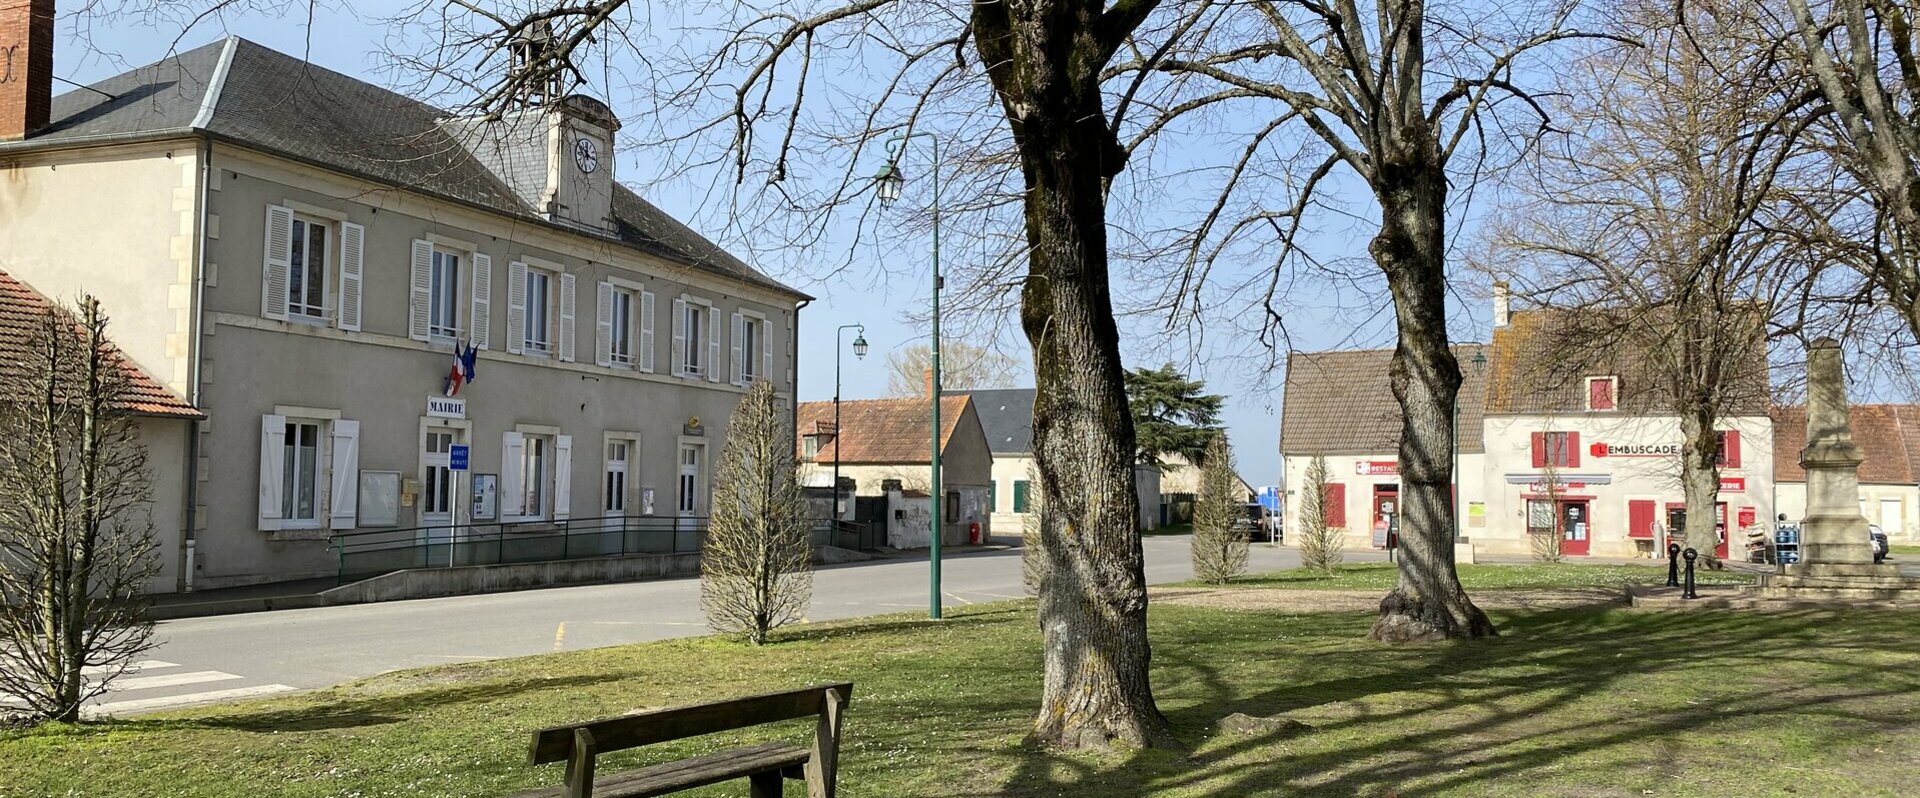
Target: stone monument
(1836, 560)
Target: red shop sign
(1733, 485)
(1372, 468)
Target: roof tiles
(879, 430)
(21, 312)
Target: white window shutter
(679, 337)
(420, 282)
(480, 327)
(344, 498)
(516, 307)
(566, 318)
(513, 486)
(739, 339)
(353, 239)
(646, 332)
(278, 267)
(562, 477)
(713, 344)
(603, 325)
(766, 350)
(273, 443)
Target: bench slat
(646, 728)
(687, 774)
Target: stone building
(301, 256)
(1889, 439)
(888, 442)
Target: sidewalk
(248, 598)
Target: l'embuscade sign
(446, 407)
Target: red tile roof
(879, 430)
(21, 312)
(1888, 437)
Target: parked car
(1879, 538)
(1258, 523)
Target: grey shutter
(343, 499)
(480, 327)
(562, 477)
(766, 350)
(513, 485)
(739, 339)
(278, 266)
(352, 243)
(566, 318)
(679, 354)
(273, 442)
(646, 332)
(516, 307)
(713, 344)
(420, 283)
(603, 324)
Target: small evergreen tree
(756, 567)
(1320, 545)
(1220, 533)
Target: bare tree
(76, 546)
(756, 566)
(1320, 544)
(1220, 534)
(1545, 537)
(1657, 232)
(963, 366)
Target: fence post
(1673, 565)
(1688, 592)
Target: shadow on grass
(955, 619)
(1493, 710)
(345, 708)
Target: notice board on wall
(379, 498)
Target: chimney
(929, 376)
(1502, 302)
(26, 67)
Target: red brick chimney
(26, 67)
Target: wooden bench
(764, 766)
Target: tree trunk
(1428, 603)
(1045, 60)
(1700, 482)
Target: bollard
(1688, 592)
(1673, 565)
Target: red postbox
(973, 533)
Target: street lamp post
(1479, 365)
(860, 352)
(887, 185)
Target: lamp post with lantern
(887, 184)
(859, 353)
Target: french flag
(458, 374)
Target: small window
(307, 272)
(442, 296)
(623, 329)
(752, 338)
(1727, 453)
(300, 472)
(534, 457)
(1560, 449)
(695, 323)
(618, 454)
(1602, 393)
(810, 447)
(539, 311)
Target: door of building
(1677, 526)
(1576, 528)
(1890, 518)
(438, 490)
(1386, 508)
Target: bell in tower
(536, 65)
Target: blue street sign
(457, 457)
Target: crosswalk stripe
(144, 704)
(172, 680)
(145, 665)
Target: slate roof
(879, 430)
(244, 93)
(1539, 362)
(22, 310)
(1888, 437)
(1341, 402)
(1006, 414)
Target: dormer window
(1603, 394)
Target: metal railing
(374, 552)
(848, 534)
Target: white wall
(1894, 508)
(1361, 474)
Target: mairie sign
(446, 407)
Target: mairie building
(354, 288)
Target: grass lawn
(1586, 702)
(1381, 577)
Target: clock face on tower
(585, 156)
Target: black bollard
(1673, 565)
(1688, 592)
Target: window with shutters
(443, 307)
(300, 474)
(694, 354)
(1022, 494)
(1603, 393)
(620, 344)
(307, 269)
(1557, 449)
(536, 468)
(1727, 453)
(752, 347)
(540, 313)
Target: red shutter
(1730, 448)
(1640, 514)
(1335, 506)
(1539, 450)
(1573, 450)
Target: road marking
(145, 665)
(172, 680)
(560, 637)
(144, 704)
(956, 597)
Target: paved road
(225, 658)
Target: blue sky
(887, 284)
